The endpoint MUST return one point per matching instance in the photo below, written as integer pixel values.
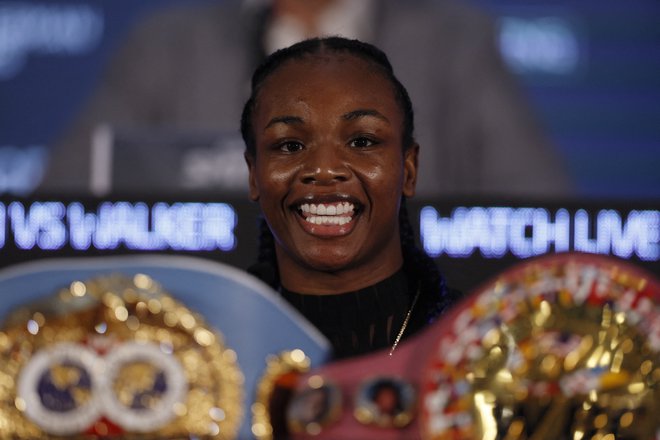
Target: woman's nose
(324, 165)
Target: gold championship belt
(115, 357)
(562, 347)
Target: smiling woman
(331, 156)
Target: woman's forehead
(340, 76)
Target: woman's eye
(362, 142)
(291, 146)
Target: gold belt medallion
(116, 357)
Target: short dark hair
(359, 49)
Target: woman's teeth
(328, 213)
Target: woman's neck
(312, 281)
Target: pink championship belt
(560, 347)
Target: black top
(362, 321)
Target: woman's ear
(250, 160)
(410, 170)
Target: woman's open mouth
(338, 213)
(328, 218)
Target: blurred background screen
(472, 241)
(591, 70)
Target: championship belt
(142, 348)
(560, 347)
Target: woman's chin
(329, 262)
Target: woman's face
(330, 170)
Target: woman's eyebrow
(360, 113)
(286, 119)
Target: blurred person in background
(187, 69)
